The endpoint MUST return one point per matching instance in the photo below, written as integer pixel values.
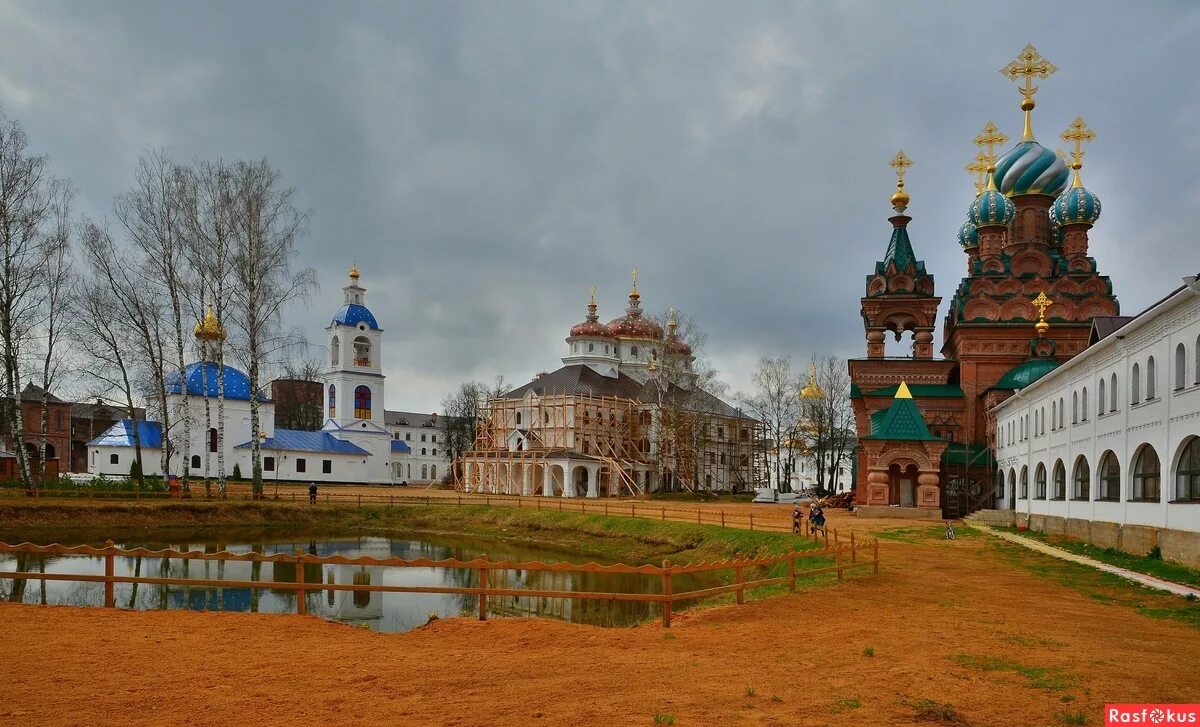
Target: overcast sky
(486, 162)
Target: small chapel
(1025, 305)
(353, 445)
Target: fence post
(539, 504)
(853, 549)
(697, 515)
(741, 591)
(487, 499)
(825, 536)
(391, 500)
(838, 556)
(792, 570)
(835, 537)
(633, 509)
(483, 585)
(666, 604)
(427, 503)
(606, 508)
(722, 518)
(301, 604)
(875, 547)
(664, 513)
(751, 521)
(110, 600)
(560, 504)
(360, 500)
(293, 497)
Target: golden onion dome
(210, 329)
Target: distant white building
(428, 458)
(358, 442)
(1110, 440)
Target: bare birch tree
(776, 403)
(26, 205)
(829, 421)
(266, 225)
(58, 280)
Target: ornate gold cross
(1041, 302)
(990, 137)
(593, 300)
(900, 163)
(977, 168)
(1029, 65)
(635, 274)
(1078, 134)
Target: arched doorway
(902, 485)
(580, 477)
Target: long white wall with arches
(1112, 435)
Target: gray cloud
(485, 162)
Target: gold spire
(672, 324)
(1028, 65)
(210, 329)
(900, 163)
(633, 292)
(593, 300)
(985, 161)
(354, 271)
(812, 390)
(902, 391)
(1041, 302)
(1078, 134)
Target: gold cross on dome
(593, 300)
(635, 274)
(900, 163)
(990, 137)
(978, 167)
(1029, 65)
(1078, 134)
(1041, 302)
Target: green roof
(959, 453)
(900, 421)
(920, 391)
(1018, 377)
(900, 252)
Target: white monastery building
(1107, 445)
(359, 441)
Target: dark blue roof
(121, 435)
(237, 384)
(399, 445)
(352, 314)
(292, 440)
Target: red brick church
(1025, 306)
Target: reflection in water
(379, 611)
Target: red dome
(591, 329)
(633, 325)
(676, 346)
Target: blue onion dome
(968, 236)
(1076, 206)
(202, 380)
(991, 208)
(1030, 168)
(352, 314)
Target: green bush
(237, 471)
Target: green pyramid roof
(900, 421)
(901, 253)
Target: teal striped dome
(1030, 168)
(991, 208)
(968, 236)
(1076, 206)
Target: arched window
(1100, 405)
(1074, 407)
(332, 401)
(1062, 413)
(1012, 483)
(1039, 482)
(1053, 415)
(1024, 483)
(1180, 366)
(1150, 378)
(51, 453)
(1060, 481)
(518, 417)
(362, 402)
(1145, 475)
(433, 471)
(362, 351)
(1112, 394)
(633, 350)
(195, 461)
(1135, 385)
(1085, 402)
(1082, 481)
(335, 351)
(1021, 425)
(424, 471)
(1042, 428)
(1187, 472)
(212, 439)
(1197, 364)
(1109, 477)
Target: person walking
(816, 517)
(797, 516)
(312, 493)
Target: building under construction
(622, 417)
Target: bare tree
(58, 280)
(152, 213)
(26, 205)
(265, 227)
(775, 402)
(829, 421)
(300, 407)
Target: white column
(569, 482)
(548, 481)
(527, 481)
(468, 469)
(593, 485)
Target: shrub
(237, 471)
(1155, 553)
(869, 651)
(135, 470)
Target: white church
(359, 441)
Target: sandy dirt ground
(992, 634)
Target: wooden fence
(701, 515)
(858, 556)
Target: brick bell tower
(900, 293)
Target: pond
(378, 611)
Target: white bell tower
(354, 383)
